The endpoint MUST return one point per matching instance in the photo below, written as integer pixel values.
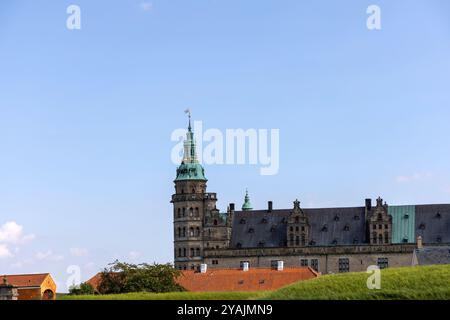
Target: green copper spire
(190, 168)
(247, 206)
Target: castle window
(261, 281)
(346, 228)
(197, 252)
(406, 216)
(438, 215)
(315, 264)
(241, 264)
(356, 218)
(191, 212)
(383, 263)
(304, 262)
(374, 237)
(238, 245)
(193, 190)
(386, 226)
(296, 229)
(386, 237)
(380, 217)
(336, 218)
(184, 212)
(303, 240)
(291, 237)
(272, 229)
(215, 262)
(261, 244)
(184, 232)
(422, 226)
(405, 240)
(380, 226)
(264, 220)
(380, 238)
(192, 252)
(179, 252)
(215, 222)
(297, 241)
(303, 228)
(184, 254)
(251, 230)
(242, 221)
(312, 243)
(324, 228)
(197, 214)
(291, 228)
(191, 232)
(197, 232)
(335, 242)
(297, 219)
(355, 241)
(374, 227)
(344, 265)
(438, 239)
(179, 213)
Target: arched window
(386, 237)
(215, 222)
(296, 229)
(179, 252)
(297, 240)
(179, 232)
(380, 238)
(291, 238)
(374, 237)
(184, 212)
(184, 253)
(191, 212)
(184, 232)
(192, 252)
(303, 239)
(197, 252)
(297, 220)
(191, 232)
(179, 213)
(380, 217)
(197, 232)
(197, 213)
(193, 190)
(291, 229)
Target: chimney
(280, 265)
(231, 207)
(245, 266)
(368, 204)
(269, 206)
(419, 242)
(203, 268)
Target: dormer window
(312, 243)
(438, 239)
(355, 241)
(264, 220)
(242, 221)
(438, 215)
(251, 230)
(261, 244)
(335, 242)
(238, 245)
(347, 227)
(405, 240)
(422, 226)
(272, 229)
(406, 216)
(356, 217)
(324, 228)
(336, 218)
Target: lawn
(417, 283)
(410, 283)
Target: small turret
(247, 206)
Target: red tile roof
(25, 280)
(255, 279)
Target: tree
(82, 289)
(120, 277)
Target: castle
(329, 240)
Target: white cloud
(11, 232)
(413, 177)
(48, 255)
(78, 252)
(4, 251)
(134, 255)
(146, 6)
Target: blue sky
(86, 115)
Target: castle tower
(190, 203)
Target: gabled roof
(255, 279)
(26, 280)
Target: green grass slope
(416, 283)
(169, 296)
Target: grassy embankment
(429, 282)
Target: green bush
(82, 289)
(120, 277)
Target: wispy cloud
(146, 6)
(11, 233)
(4, 251)
(48, 255)
(413, 177)
(79, 252)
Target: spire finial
(247, 206)
(188, 112)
